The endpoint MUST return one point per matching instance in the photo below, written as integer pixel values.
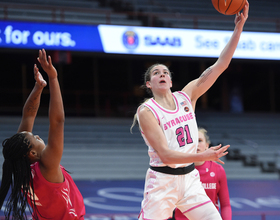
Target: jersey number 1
(181, 137)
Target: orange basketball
(228, 7)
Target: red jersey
(214, 180)
(57, 201)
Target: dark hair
(17, 175)
(147, 76)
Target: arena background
(101, 92)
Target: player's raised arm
(51, 156)
(199, 86)
(32, 103)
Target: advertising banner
(187, 42)
(152, 41)
(30, 35)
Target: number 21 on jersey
(180, 132)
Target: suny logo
(39, 38)
(130, 40)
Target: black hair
(17, 175)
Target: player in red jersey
(32, 168)
(213, 178)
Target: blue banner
(30, 35)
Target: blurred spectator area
(264, 15)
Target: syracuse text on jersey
(178, 120)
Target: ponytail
(17, 175)
(135, 120)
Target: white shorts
(164, 192)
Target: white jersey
(179, 127)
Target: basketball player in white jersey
(168, 126)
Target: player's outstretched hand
(38, 77)
(241, 18)
(215, 153)
(47, 64)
